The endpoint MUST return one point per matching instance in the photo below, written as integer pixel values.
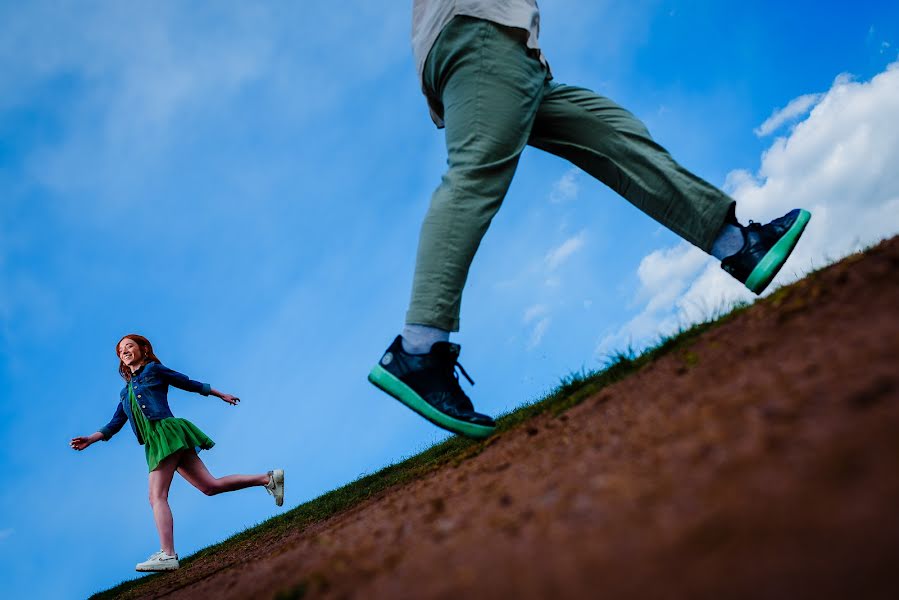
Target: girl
(171, 444)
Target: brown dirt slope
(759, 460)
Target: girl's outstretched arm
(107, 431)
(181, 381)
(234, 400)
(83, 441)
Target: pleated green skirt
(165, 437)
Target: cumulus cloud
(839, 162)
(796, 108)
(665, 276)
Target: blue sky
(244, 186)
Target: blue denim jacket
(151, 388)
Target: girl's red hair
(146, 349)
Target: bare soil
(759, 461)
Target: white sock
(418, 339)
(729, 241)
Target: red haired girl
(171, 444)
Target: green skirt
(165, 437)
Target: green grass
(571, 391)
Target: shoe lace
(462, 369)
(455, 390)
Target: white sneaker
(158, 562)
(275, 485)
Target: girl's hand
(83, 441)
(233, 400)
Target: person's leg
(160, 482)
(490, 88)
(611, 144)
(193, 470)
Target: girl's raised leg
(160, 482)
(191, 467)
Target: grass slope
(571, 391)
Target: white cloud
(141, 79)
(548, 286)
(538, 332)
(537, 314)
(533, 312)
(796, 108)
(839, 163)
(5, 533)
(661, 271)
(558, 255)
(567, 187)
(664, 275)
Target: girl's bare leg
(160, 482)
(195, 472)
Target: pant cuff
(432, 319)
(724, 214)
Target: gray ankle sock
(728, 242)
(418, 339)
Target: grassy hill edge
(572, 390)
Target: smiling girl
(171, 444)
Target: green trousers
(496, 98)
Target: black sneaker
(766, 249)
(429, 385)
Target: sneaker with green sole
(766, 249)
(429, 385)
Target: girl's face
(130, 353)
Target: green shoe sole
(770, 265)
(384, 380)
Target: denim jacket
(151, 387)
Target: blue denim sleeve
(183, 382)
(115, 424)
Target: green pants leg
(612, 145)
(491, 90)
(496, 100)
